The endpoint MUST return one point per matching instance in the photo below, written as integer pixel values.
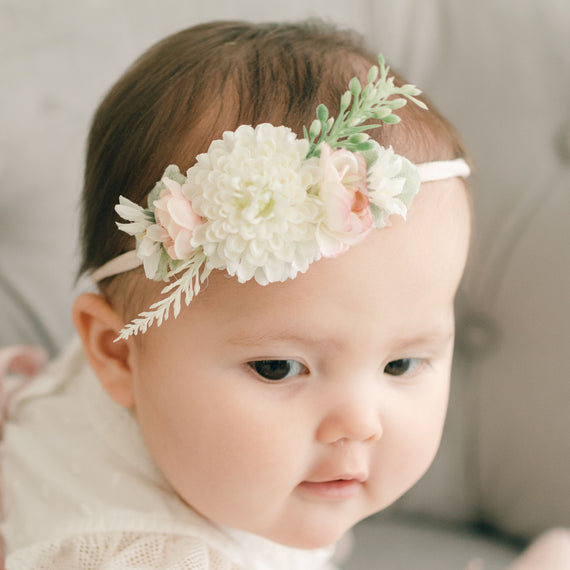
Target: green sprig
(182, 289)
(377, 100)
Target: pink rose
(173, 212)
(344, 192)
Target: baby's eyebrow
(439, 335)
(254, 339)
(436, 335)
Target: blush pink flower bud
(173, 212)
(344, 192)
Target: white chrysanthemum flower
(393, 181)
(251, 188)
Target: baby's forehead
(391, 262)
(411, 267)
(323, 313)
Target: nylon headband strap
(429, 172)
(120, 264)
(443, 169)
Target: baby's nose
(353, 414)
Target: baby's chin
(312, 537)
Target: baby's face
(297, 409)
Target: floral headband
(263, 204)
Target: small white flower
(149, 250)
(251, 188)
(138, 217)
(149, 236)
(393, 181)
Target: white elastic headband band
(120, 264)
(443, 169)
(429, 172)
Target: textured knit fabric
(81, 492)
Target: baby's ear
(98, 326)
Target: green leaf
(391, 119)
(382, 112)
(345, 100)
(322, 113)
(358, 138)
(419, 103)
(364, 146)
(410, 90)
(396, 103)
(315, 129)
(372, 74)
(377, 100)
(354, 86)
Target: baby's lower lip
(336, 489)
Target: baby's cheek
(409, 444)
(427, 443)
(426, 436)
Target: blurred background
(501, 72)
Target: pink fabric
(25, 361)
(550, 551)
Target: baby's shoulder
(122, 551)
(154, 551)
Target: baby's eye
(277, 369)
(402, 366)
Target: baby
(267, 360)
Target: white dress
(80, 491)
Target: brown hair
(189, 88)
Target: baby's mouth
(338, 488)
